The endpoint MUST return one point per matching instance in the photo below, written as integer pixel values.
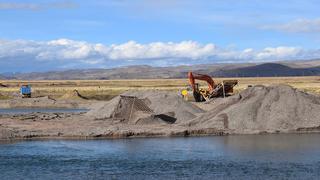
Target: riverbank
(256, 110)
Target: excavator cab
(200, 94)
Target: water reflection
(263, 156)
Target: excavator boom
(193, 76)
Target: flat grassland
(106, 89)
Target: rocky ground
(256, 110)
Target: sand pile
(126, 109)
(74, 95)
(164, 102)
(103, 110)
(150, 106)
(263, 109)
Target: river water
(230, 157)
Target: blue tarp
(25, 89)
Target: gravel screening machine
(214, 90)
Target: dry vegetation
(106, 89)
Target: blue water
(42, 110)
(230, 157)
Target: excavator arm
(193, 76)
(214, 90)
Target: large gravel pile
(162, 103)
(104, 110)
(263, 109)
(257, 109)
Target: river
(291, 156)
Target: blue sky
(60, 34)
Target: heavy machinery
(214, 90)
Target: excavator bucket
(224, 88)
(229, 84)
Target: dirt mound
(103, 110)
(126, 109)
(74, 95)
(263, 109)
(131, 109)
(164, 102)
(149, 106)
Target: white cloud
(279, 53)
(297, 26)
(158, 50)
(62, 53)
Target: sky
(47, 35)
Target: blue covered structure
(25, 90)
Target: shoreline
(155, 135)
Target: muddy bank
(256, 110)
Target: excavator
(214, 90)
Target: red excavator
(214, 90)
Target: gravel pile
(164, 105)
(257, 109)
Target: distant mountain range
(284, 68)
(2, 77)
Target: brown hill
(288, 68)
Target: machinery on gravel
(223, 89)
